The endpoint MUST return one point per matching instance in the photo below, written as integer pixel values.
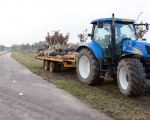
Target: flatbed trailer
(55, 63)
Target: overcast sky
(28, 21)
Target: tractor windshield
(102, 35)
(124, 31)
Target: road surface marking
(20, 94)
(14, 81)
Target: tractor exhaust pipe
(113, 40)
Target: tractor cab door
(123, 31)
(102, 35)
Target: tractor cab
(102, 34)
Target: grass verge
(2, 52)
(106, 97)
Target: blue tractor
(116, 52)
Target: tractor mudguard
(94, 47)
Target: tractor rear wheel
(131, 77)
(87, 67)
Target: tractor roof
(110, 19)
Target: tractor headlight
(137, 51)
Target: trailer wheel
(46, 65)
(87, 67)
(54, 67)
(131, 77)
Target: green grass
(2, 52)
(105, 97)
(28, 60)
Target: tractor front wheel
(131, 77)
(87, 67)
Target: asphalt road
(26, 96)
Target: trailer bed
(68, 61)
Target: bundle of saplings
(57, 44)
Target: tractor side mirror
(147, 26)
(89, 35)
(144, 39)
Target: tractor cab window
(124, 31)
(103, 35)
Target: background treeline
(3, 48)
(24, 47)
(28, 47)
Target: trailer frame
(53, 63)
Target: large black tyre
(46, 65)
(131, 77)
(54, 67)
(87, 67)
